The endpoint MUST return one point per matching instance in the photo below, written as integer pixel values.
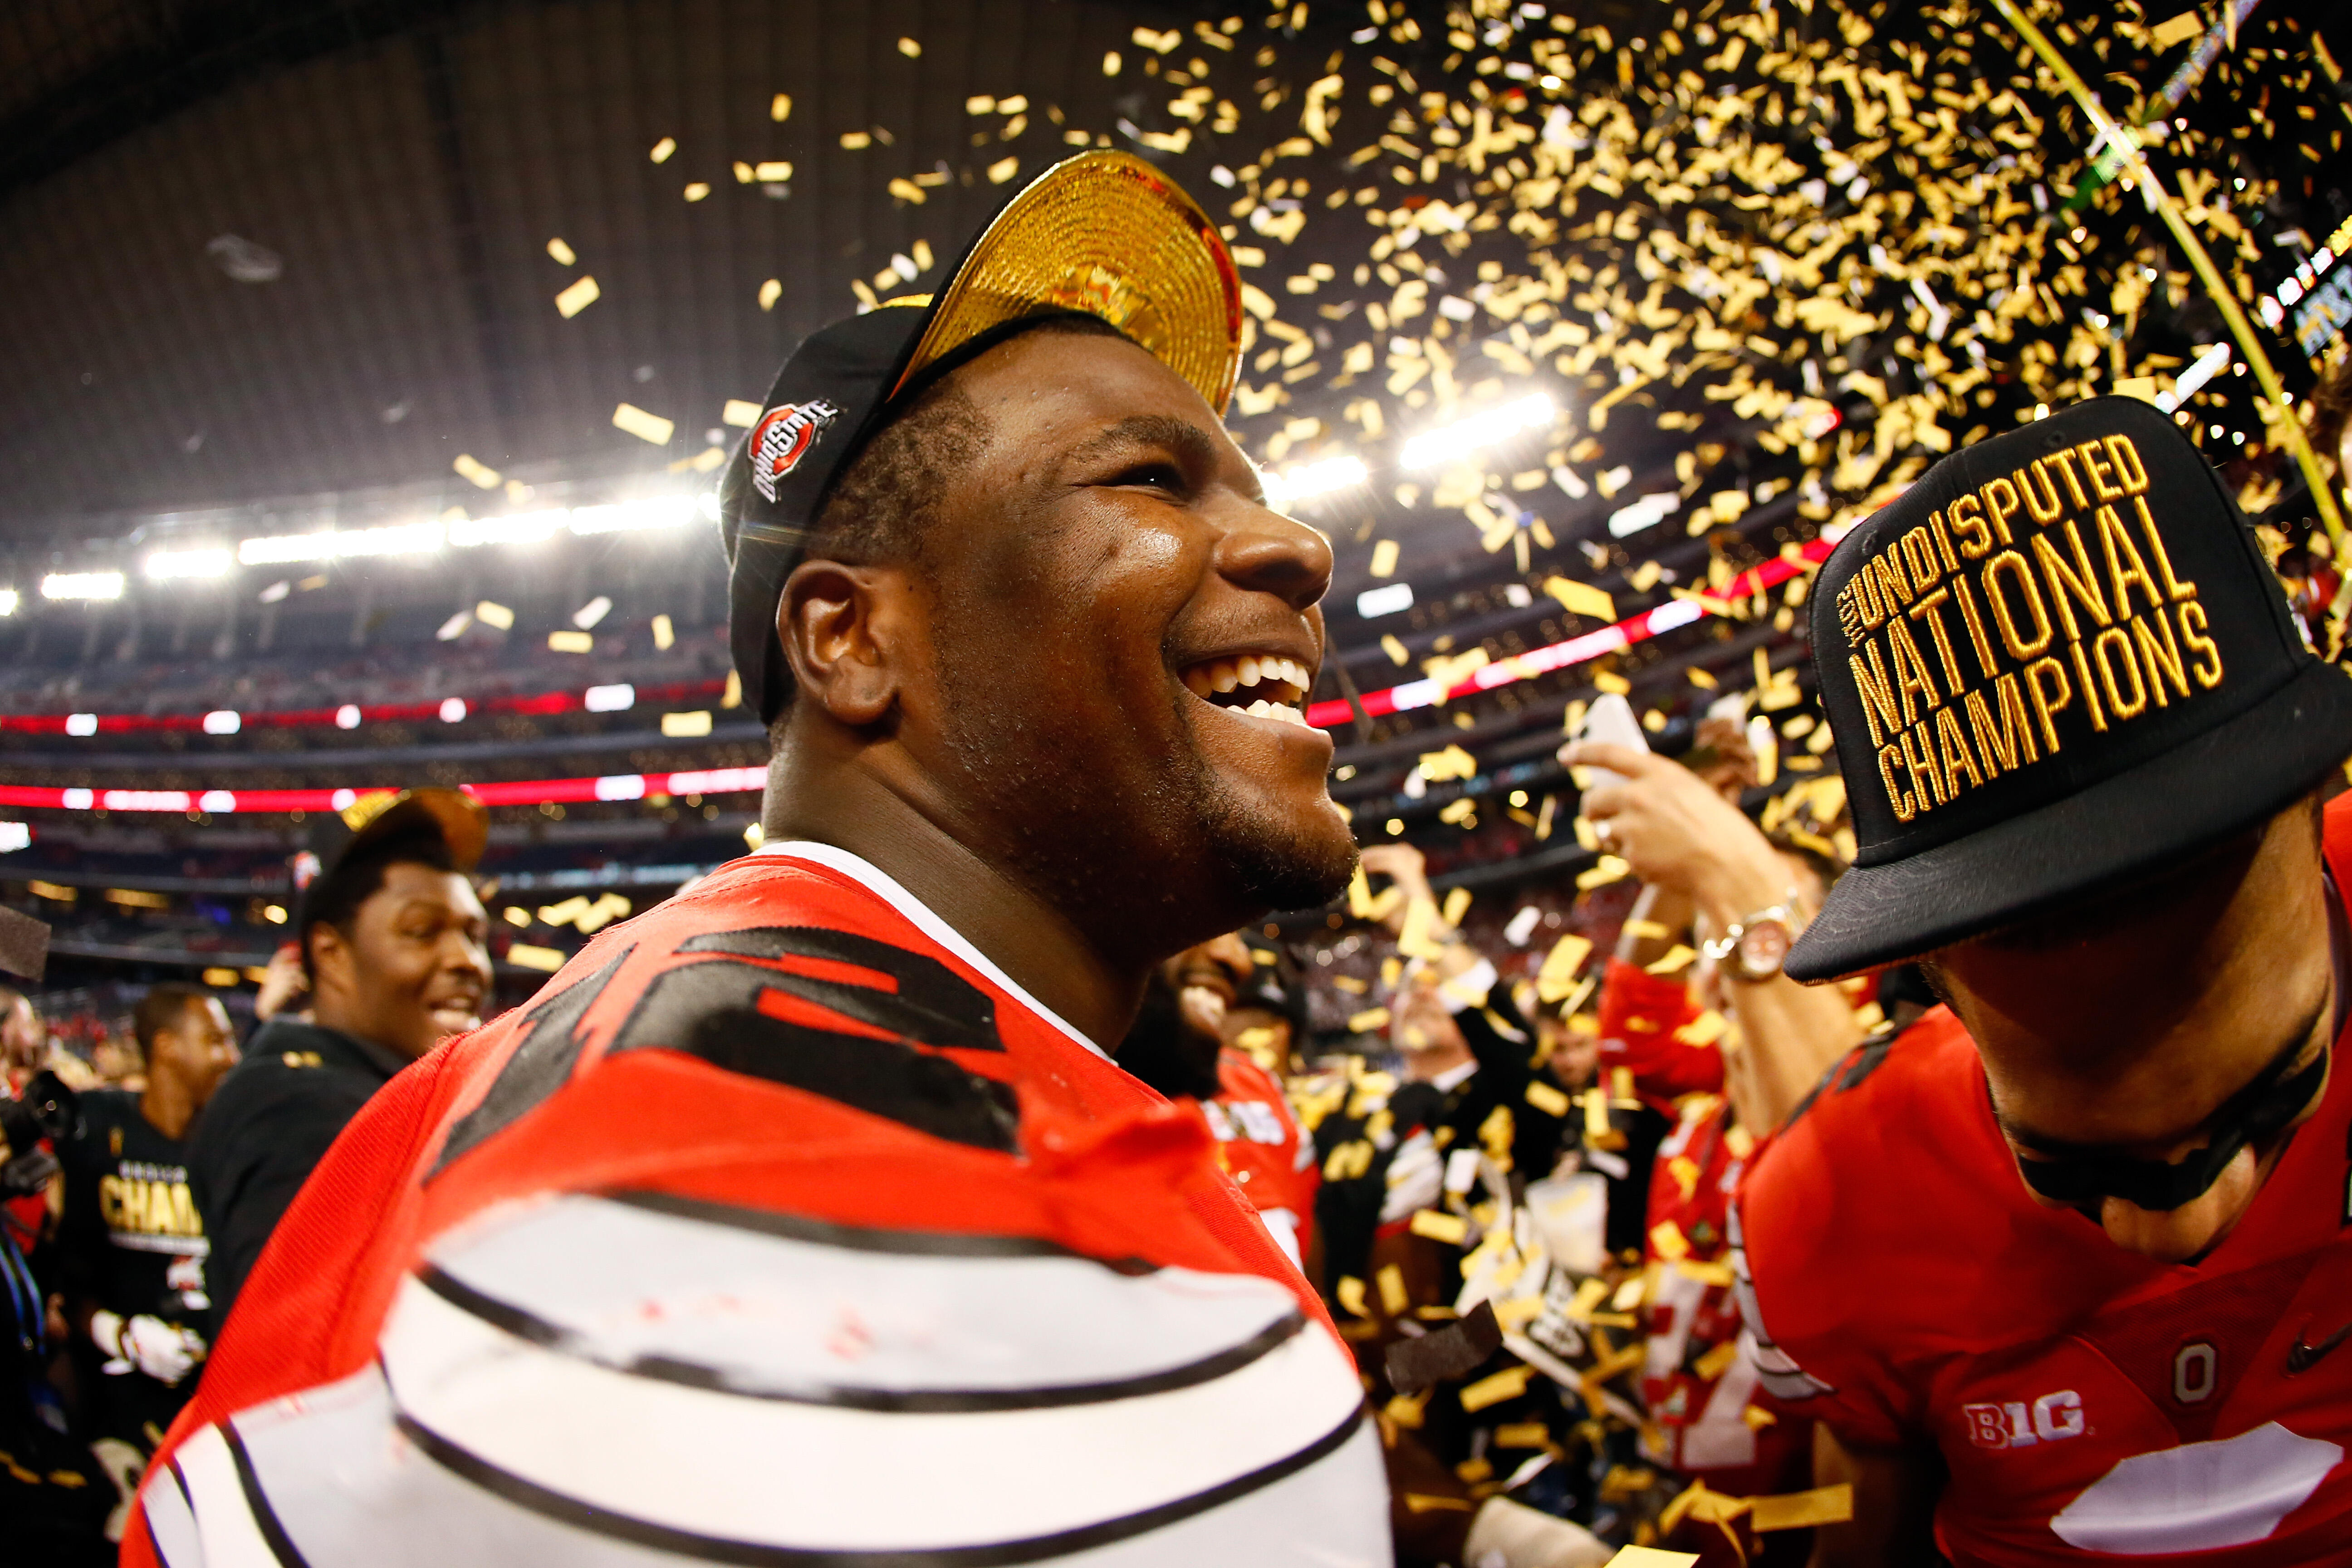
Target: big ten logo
(2014, 1424)
(2044, 591)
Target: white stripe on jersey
(227, 1534)
(787, 1310)
(172, 1524)
(342, 1485)
(470, 1443)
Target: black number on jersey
(868, 1031)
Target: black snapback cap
(1103, 234)
(2058, 662)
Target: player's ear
(330, 956)
(845, 630)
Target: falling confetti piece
(769, 292)
(663, 149)
(578, 298)
(645, 426)
(780, 108)
(560, 251)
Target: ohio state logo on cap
(782, 438)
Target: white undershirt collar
(858, 869)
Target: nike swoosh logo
(2301, 1357)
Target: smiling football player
(805, 1217)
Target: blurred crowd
(1504, 1143)
(1500, 1139)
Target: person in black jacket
(395, 941)
(130, 1248)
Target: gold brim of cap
(1107, 235)
(464, 825)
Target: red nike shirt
(780, 1223)
(1906, 1288)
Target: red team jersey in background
(1638, 1015)
(1261, 1145)
(779, 1222)
(2090, 1403)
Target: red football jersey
(1696, 1392)
(1639, 1013)
(1906, 1288)
(781, 1225)
(1260, 1145)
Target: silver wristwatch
(1758, 946)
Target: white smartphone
(1610, 720)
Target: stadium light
(347, 717)
(83, 585)
(334, 544)
(622, 517)
(1291, 486)
(223, 721)
(1384, 601)
(8, 598)
(609, 699)
(1432, 448)
(165, 565)
(515, 528)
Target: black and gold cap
(1103, 234)
(2056, 664)
(452, 816)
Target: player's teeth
(1196, 681)
(1221, 676)
(1245, 669)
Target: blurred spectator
(284, 981)
(1177, 1046)
(394, 941)
(130, 1246)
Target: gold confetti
(645, 426)
(664, 632)
(491, 614)
(681, 726)
(525, 955)
(780, 108)
(1002, 170)
(560, 251)
(911, 48)
(479, 473)
(1450, 1229)
(663, 149)
(769, 292)
(1384, 557)
(1509, 1384)
(578, 298)
(571, 642)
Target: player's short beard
(1081, 852)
